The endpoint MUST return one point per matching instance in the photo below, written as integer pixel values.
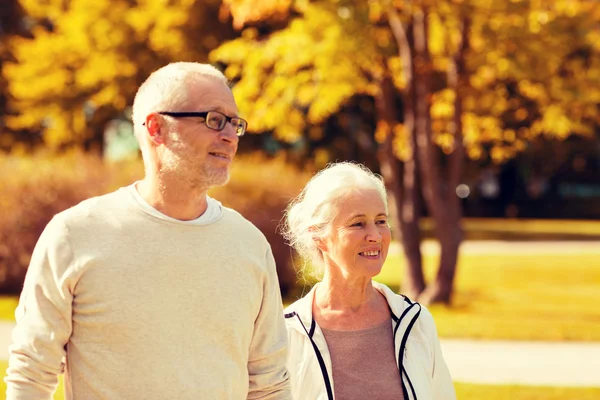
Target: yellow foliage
(437, 35)
(300, 75)
(245, 11)
(443, 104)
(556, 122)
(395, 67)
(96, 55)
(445, 141)
(382, 131)
(295, 78)
(475, 153)
(402, 145)
(43, 185)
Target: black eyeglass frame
(204, 114)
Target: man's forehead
(212, 95)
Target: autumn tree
(12, 23)
(471, 75)
(87, 58)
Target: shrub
(34, 189)
(260, 190)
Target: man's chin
(222, 182)
(218, 180)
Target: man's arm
(269, 378)
(43, 318)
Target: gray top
(364, 364)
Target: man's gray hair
(166, 88)
(310, 214)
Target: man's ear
(153, 126)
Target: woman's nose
(373, 235)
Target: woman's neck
(344, 295)
(348, 305)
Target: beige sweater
(144, 308)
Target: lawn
(7, 307)
(517, 296)
(514, 296)
(524, 229)
(464, 391)
(503, 295)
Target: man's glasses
(213, 120)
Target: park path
(486, 247)
(495, 362)
(523, 363)
(500, 362)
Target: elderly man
(156, 291)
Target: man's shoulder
(96, 207)
(241, 222)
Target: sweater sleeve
(268, 375)
(43, 318)
(443, 388)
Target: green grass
(7, 307)
(517, 296)
(533, 226)
(523, 229)
(464, 391)
(4, 364)
(504, 296)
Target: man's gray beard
(211, 177)
(196, 176)
(202, 177)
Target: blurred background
(482, 116)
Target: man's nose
(228, 134)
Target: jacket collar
(301, 310)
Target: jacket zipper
(317, 352)
(401, 369)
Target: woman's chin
(373, 270)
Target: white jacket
(425, 375)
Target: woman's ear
(320, 243)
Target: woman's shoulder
(396, 301)
(399, 303)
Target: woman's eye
(357, 224)
(381, 222)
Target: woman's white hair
(309, 215)
(167, 88)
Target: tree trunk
(402, 206)
(410, 213)
(414, 282)
(452, 235)
(429, 164)
(388, 163)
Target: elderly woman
(350, 337)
